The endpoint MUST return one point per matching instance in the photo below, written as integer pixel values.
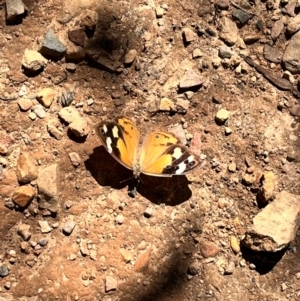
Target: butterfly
(161, 154)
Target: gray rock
(52, 46)
(277, 29)
(3, 270)
(291, 58)
(242, 16)
(229, 31)
(14, 9)
(48, 188)
(272, 54)
(39, 111)
(45, 228)
(74, 158)
(293, 25)
(68, 227)
(43, 241)
(276, 225)
(225, 52)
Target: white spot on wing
(182, 168)
(104, 128)
(177, 153)
(191, 158)
(115, 132)
(108, 144)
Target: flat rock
(47, 183)
(276, 225)
(26, 168)
(39, 111)
(45, 228)
(242, 16)
(291, 58)
(25, 104)
(52, 46)
(272, 54)
(189, 35)
(79, 127)
(14, 9)
(23, 195)
(190, 79)
(68, 227)
(229, 31)
(69, 114)
(77, 36)
(46, 96)
(74, 158)
(277, 29)
(33, 60)
(111, 284)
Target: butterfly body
(161, 153)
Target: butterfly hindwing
(121, 139)
(163, 155)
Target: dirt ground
(172, 240)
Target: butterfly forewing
(121, 139)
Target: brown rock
(267, 191)
(277, 29)
(46, 96)
(89, 19)
(25, 104)
(229, 31)
(23, 195)
(190, 79)
(295, 110)
(209, 250)
(130, 56)
(272, 54)
(142, 261)
(110, 284)
(222, 4)
(189, 35)
(77, 36)
(26, 168)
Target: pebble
(119, 219)
(232, 167)
(148, 212)
(130, 56)
(39, 111)
(75, 159)
(221, 116)
(3, 150)
(3, 270)
(52, 46)
(68, 227)
(194, 267)
(89, 19)
(14, 9)
(43, 241)
(32, 116)
(235, 244)
(230, 268)
(242, 16)
(252, 266)
(46, 96)
(225, 52)
(111, 284)
(45, 228)
(267, 191)
(228, 130)
(77, 36)
(189, 35)
(159, 12)
(190, 79)
(83, 248)
(209, 250)
(26, 168)
(90, 101)
(25, 104)
(23, 231)
(229, 31)
(69, 114)
(222, 4)
(167, 104)
(71, 67)
(79, 127)
(277, 29)
(7, 285)
(127, 256)
(52, 128)
(23, 195)
(33, 61)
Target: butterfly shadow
(108, 172)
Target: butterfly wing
(121, 139)
(162, 154)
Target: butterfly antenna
(126, 179)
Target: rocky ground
(223, 76)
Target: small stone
(228, 130)
(53, 130)
(295, 110)
(23, 195)
(83, 248)
(235, 244)
(52, 46)
(225, 52)
(167, 104)
(130, 56)
(159, 11)
(148, 212)
(190, 79)
(293, 25)
(194, 267)
(71, 67)
(189, 35)
(3, 270)
(142, 261)
(275, 226)
(45, 228)
(68, 227)
(126, 255)
(232, 167)
(46, 96)
(3, 150)
(39, 111)
(43, 241)
(33, 61)
(32, 116)
(25, 104)
(182, 105)
(222, 4)
(229, 31)
(230, 268)
(77, 36)
(79, 127)
(242, 16)
(89, 19)
(277, 29)
(14, 10)
(119, 219)
(110, 284)
(209, 250)
(23, 231)
(90, 101)
(267, 191)
(75, 159)
(26, 168)
(221, 116)
(69, 114)
(7, 285)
